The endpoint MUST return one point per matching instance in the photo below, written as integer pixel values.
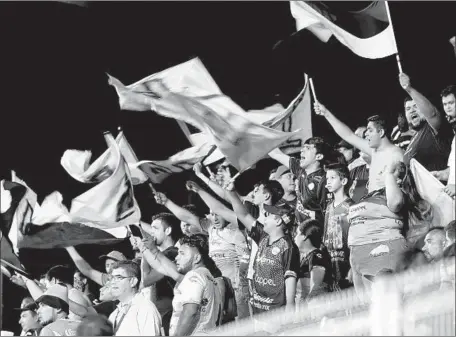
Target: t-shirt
(164, 289)
(335, 238)
(359, 177)
(61, 327)
(430, 149)
(199, 287)
(310, 193)
(273, 264)
(316, 259)
(226, 247)
(371, 221)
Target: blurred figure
(450, 239)
(402, 134)
(95, 325)
(434, 244)
(411, 259)
(81, 283)
(28, 320)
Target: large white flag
(367, 32)
(431, 190)
(297, 116)
(242, 141)
(111, 203)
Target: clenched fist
(320, 109)
(160, 198)
(404, 81)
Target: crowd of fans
(334, 218)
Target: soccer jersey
(273, 264)
(310, 193)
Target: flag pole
(394, 35)
(313, 90)
(186, 131)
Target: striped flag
(45, 227)
(366, 30)
(111, 203)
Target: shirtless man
(376, 144)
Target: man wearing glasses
(135, 315)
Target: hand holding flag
(320, 109)
(404, 81)
(160, 198)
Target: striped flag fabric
(111, 203)
(45, 227)
(366, 30)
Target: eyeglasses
(119, 277)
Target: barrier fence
(416, 302)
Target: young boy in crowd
(336, 224)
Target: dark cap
(344, 144)
(287, 214)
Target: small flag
(366, 32)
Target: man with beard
(53, 312)
(429, 146)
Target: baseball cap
(114, 255)
(281, 170)
(287, 214)
(344, 144)
(27, 304)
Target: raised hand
(197, 168)
(18, 280)
(404, 81)
(160, 198)
(192, 186)
(320, 109)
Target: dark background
(54, 93)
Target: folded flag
(367, 31)
(431, 190)
(111, 203)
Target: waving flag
(45, 227)
(111, 203)
(159, 170)
(241, 141)
(137, 176)
(431, 190)
(366, 32)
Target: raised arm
(281, 157)
(157, 260)
(84, 267)
(428, 109)
(216, 188)
(215, 205)
(181, 213)
(31, 285)
(239, 209)
(342, 130)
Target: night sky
(55, 95)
